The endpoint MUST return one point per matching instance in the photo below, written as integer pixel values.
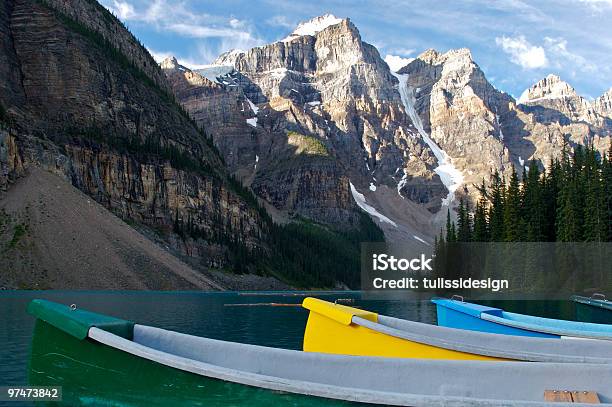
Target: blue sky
(515, 42)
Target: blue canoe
(464, 315)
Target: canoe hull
(326, 333)
(91, 373)
(451, 318)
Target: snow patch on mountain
(420, 240)
(451, 177)
(361, 202)
(396, 62)
(501, 133)
(214, 72)
(253, 107)
(401, 184)
(228, 58)
(311, 27)
(253, 120)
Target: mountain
(482, 129)
(603, 104)
(430, 131)
(83, 99)
(460, 110)
(90, 104)
(326, 114)
(551, 113)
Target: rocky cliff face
(266, 148)
(553, 100)
(483, 129)
(551, 112)
(338, 77)
(98, 113)
(603, 104)
(326, 111)
(461, 111)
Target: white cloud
(597, 5)
(522, 52)
(281, 21)
(396, 62)
(404, 52)
(176, 17)
(159, 56)
(556, 48)
(123, 10)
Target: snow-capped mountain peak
(313, 26)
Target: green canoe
(101, 360)
(596, 309)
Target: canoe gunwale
(480, 350)
(400, 328)
(593, 302)
(544, 329)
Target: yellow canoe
(339, 329)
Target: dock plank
(589, 397)
(558, 396)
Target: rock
(324, 83)
(105, 121)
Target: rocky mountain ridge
(431, 131)
(328, 85)
(94, 120)
(483, 129)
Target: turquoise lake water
(216, 315)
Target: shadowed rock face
(272, 156)
(106, 121)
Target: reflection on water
(214, 315)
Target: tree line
(570, 201)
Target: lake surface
(215, 315)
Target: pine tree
(550, 191)
(595, 227)
(464, 224)
(512, 210)
(451, 235)
(496, 212)
(607, 192)
(481, 230)
(569, 211)
(533, 205)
